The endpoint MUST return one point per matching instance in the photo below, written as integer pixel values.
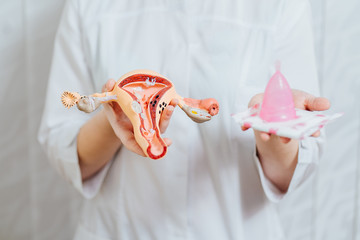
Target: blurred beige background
(35, 203)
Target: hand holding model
(137, 110)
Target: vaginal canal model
(143, 95)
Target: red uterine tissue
(278, 103)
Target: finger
(166, 115)
(265, 136)
(316, 134)
(134, 147)
(316, 103)
(256, 99)
(109, 85)
(244, 128)
(168, 141)
(116, 108)
(128, 139)
(285, 140)
(165, 118)
(174, 102)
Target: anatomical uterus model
(143, 95)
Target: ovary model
(143, 95)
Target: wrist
(278, 160)
(106, 127)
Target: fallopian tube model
(143, 95)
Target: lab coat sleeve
(60, 126)
(294, 48)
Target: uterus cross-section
(143, 96)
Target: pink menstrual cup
(278, 102)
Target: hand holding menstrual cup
(277, 113)
(143, 95)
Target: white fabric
(328, 206)
(36, 204)
(221, 50)
(303, 171)
(340, 173)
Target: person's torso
(207, 187)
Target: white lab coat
(210, 185)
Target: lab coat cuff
(270, 190)
(308, 159)
(306, 165)
(92, 186)
(70, 168)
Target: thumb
(316, 103)
(109, 85)
(258, 98)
